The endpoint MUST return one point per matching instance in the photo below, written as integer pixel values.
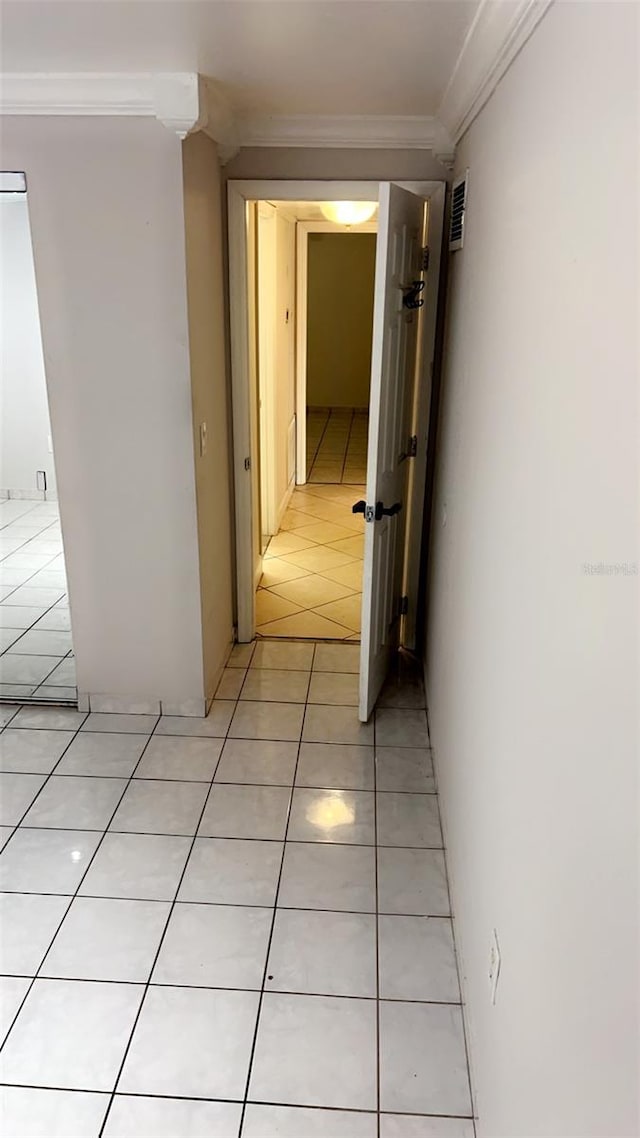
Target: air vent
(458, 208)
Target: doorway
(36, 651)
(313, 332)
(408, 248)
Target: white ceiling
(290, 57)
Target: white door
(393, 366)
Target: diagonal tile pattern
(314, 590)
(36, 652)
(246, 931)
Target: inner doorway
(37, 664)
(313, 331)
(410, 219)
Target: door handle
(388, 512)
(359, 507)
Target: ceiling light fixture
(348, 213)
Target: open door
(393, 368)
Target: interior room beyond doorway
(314, 367)
(36, 651)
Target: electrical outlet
(41, 479)
(494, 966)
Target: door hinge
(247, 464)
(413, 447)
(425, 258)
(404, 606)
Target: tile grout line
(235, 1102)
(286, 843)
(169, 916)
(346, 449)
(275, 914)
(317, 450)
(375, 825)
(75, 892)
(214, 987)
(215, 837)
(461, 1003)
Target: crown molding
(185, 102)
(32, 93)
(181, 100)
(499, 30)
(383, 132)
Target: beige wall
(341, 269)
(106, 206)
(532, 662)
(276, 325)
(285, 355)
(205, 285)
(298, 162)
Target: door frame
(239, 194)
(303, 229)
(265, 321)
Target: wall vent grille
(458, 210)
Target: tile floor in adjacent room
(231, 926)
(311, 585)
(36, 653)
(337, 444)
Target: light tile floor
(311, 585)
(36, 652)
(243, 930)
(337, 444)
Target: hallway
(200, 937)
(337, 444)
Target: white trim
(182, 100)
(13, 182)
(185, 101)
(242, 449)
(377, 132)
(266, 238)
(238, 194)
(303, 229)
(302, 269)
(422, 409)
(497, 33)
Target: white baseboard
(30, 495)
(284, 504)
(126, 705)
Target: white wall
(24, 413)
(532, 663)
(106, 205)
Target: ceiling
(305, 210)
(275, 57)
